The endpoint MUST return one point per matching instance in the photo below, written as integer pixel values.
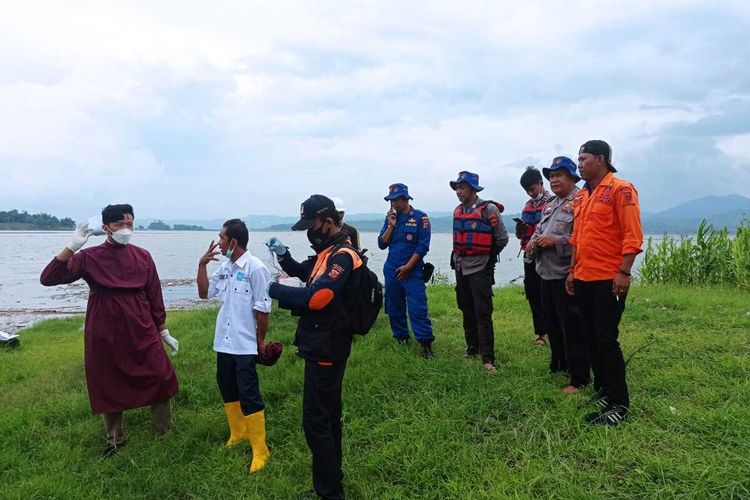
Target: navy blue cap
(315, 206)
(398, 190)
(469, 178)
(565, 163)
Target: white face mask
(122, 236)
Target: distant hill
(440, 224)
(252, 221)
(654, 224)
(720, 211)
(708, 206)
(381, 216)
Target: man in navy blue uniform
(406, 235)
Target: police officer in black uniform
(323, 336)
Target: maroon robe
(126, 365)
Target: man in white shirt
(241, 284)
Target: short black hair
(530, 176)
(236, 229)
(114, 213)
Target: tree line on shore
(22, 220)
(13, 219)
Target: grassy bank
(413, 429)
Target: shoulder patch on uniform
(425, 222)
(627, 196)
(335, 272)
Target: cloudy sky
(213, 109)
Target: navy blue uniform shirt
(411, 235)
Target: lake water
(24, 300)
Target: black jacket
(323, 331)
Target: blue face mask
(230, 251)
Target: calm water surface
(176, 253)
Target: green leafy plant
(713, 257)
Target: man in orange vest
(324, 336)
(478, 237)
(607, 236)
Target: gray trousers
(161, 422)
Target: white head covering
(338, 203)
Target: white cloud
(158, 101)
(736, 146)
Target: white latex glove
(276, 246)
(170, 341)
(80, 237)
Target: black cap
(596, 148)
(315, 206)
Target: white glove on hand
(170, 341)
(80, 237)
(276, 246)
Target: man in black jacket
(323, 336)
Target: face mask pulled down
(230, 251)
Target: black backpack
(363, 296)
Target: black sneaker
(601, 402)
(611, 415)
(402, 340)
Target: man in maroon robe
(126, 365)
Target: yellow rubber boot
(256, 431)
(237, 425)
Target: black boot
(427, 349)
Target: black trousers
(532, 286)
(600, 313)
(567, 344)
(474, 298)
(238, 381)
(321, 421)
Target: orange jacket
(607, 226)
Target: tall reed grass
(712, 257)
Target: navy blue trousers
(238, 381)
(411, 296)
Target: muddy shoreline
(179, 294)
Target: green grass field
(418, 429)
